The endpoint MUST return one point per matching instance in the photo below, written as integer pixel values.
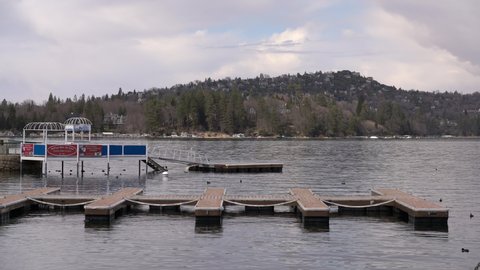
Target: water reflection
(208, 229)
(429, 169)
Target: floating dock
(12, 205)
(420, 212)
(104, 210)
(314, 210)
(209, 207)
(237, 168)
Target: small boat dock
(313, 210)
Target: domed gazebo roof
(77, 124)
(49, 126)
(78, 121)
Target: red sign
(27, 149)
(91, 150)
(62, 150)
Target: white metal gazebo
(44, 128)
(76, 150)
(78, 125)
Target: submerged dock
(314, 210)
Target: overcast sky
(70, 47)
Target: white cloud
(92, 47)
(405, 60)
(289, 36)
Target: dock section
(105, 209)
(313, 211)
(420, 212)
(237, 167)
(209, 207)
(12, 205)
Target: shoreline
(16, 139)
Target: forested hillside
(312, 104)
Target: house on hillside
(113, 119)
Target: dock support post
(44, 167)
(62, 167)
(139, 168)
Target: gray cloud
(95, 47)
(450, 25)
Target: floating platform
(209, 207)
(314, 210)
(420, 212)
(104, 210)
(12, 205)
(237, 168)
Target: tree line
(311, 104)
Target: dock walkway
(419, 211)
(208, 208)
(105, 209)
(313, 210)
(11, 204)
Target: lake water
(432, 169)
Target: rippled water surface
(433, 169)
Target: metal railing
(178, 155)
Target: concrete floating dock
(105, 209)
(209, 207)
(11, 205)
(314, 210)
(420, 212)
(237, 168)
